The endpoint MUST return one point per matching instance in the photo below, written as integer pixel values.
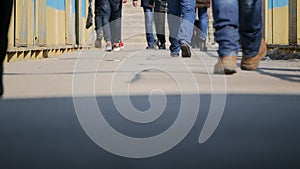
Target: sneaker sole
(116, 49)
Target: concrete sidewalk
(143, 71)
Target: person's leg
(195, 41)
(203, 25)
(5, 13)
(250, 26)
(188, 18)
(174, 14)
(187, 25)
(148, 14)
(98, 23)
(106, 12)
(226, 24)
(160, 20)
(253, 46)
(119, 35)
(116, 20)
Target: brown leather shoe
(252, 63)
(226, 65)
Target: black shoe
(162, 46)
(186, 51)
(1, 79)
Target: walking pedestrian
(202, 6)
(98, 24)
(111, 11)
(147, 6)
(160, 9)
(234, 21)
(5, 13)
(181, 18)
(157, 17)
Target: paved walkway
(54, 77)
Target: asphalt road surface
(256, 131)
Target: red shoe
(121, 45)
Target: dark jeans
(5, 13)
(148, 14)
(98, 19)
(238, 20)
(111, 22)
(160, 10)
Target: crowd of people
(237, 23)
(109, 27)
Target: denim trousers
(148, 14)
(160, 10)
(238, 21)
(181, 18)
(203, 22)
(111, 20)
(98, 19)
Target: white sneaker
(108, 47)
(116, 47)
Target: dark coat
(147, 3)
(202, 3)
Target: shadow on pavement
(256, 131)
(292, 75)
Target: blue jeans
(111, 20)
(238, 20)
(203, 22)
(148, 14)
(181, 31)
